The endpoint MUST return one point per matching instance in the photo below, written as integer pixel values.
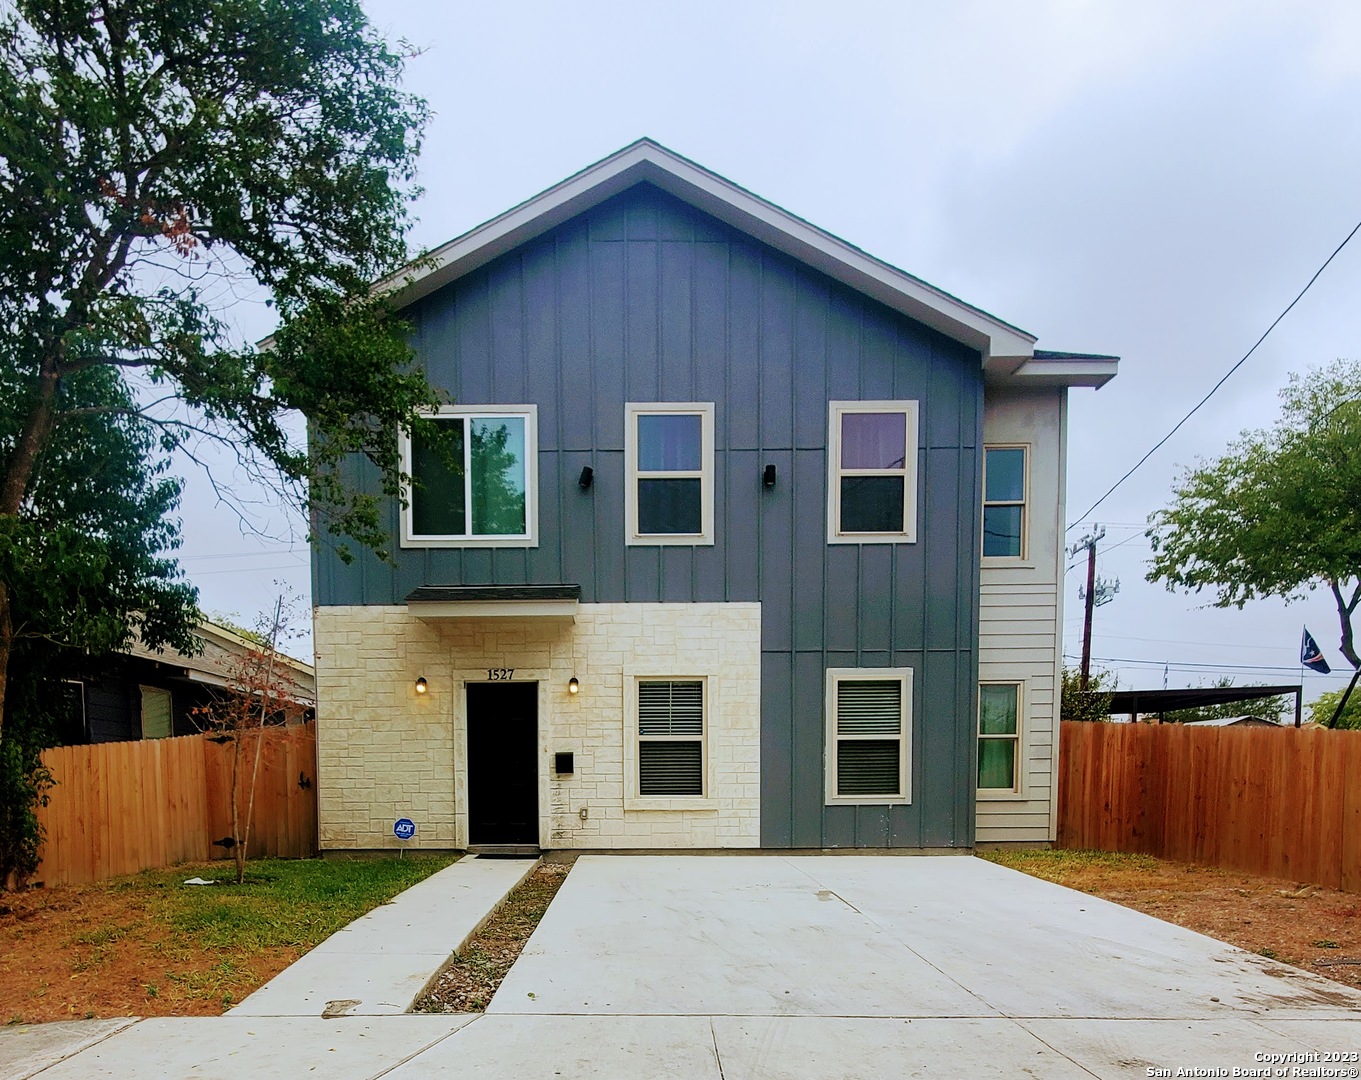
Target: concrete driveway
(861, 966)
(770, 967)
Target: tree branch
(1344, 616)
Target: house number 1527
(500, 674)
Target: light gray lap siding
(646, 299)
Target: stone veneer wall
(386, 752)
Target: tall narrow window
(70, 703)
(475, 485)
(999, 736)
(868, 735)
(670, 737)
(872, 475)
(1004, 502)
(157, 720)
(670, 460)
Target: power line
(1208, 644)
(241, 554)
(1127, 540)
(1193, 666)
(243, 570)
(1177, 427)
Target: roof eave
(1045, 373)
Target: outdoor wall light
(573, 687)
(768, 477)
(422, 686)
(587, 475)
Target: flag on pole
(1311, 656)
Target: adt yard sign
(404, 829)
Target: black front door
(503, 754)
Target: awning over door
(494, 601)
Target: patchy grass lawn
(1311, 927)
(149, 945)
(470, 979)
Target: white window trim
(632, 799)
(835, 411)
(705, 411)
(143, 690)
(1018, 791)
(1023, 558)
(530, 413)
(838, 675)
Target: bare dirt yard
(1296, 923)
(150, 945)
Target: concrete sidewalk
(783, 968)
(379, 963)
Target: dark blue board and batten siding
(647, 299)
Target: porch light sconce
(422, 686)
(768, 477)
(587, 475)
(573, 687)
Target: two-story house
(755, 541)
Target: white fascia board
(647, 161)
(1048, 374)
(494, 609)
(209, 679)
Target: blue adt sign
(404, 829)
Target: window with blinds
(157, 722)
(670, 737)
(868, 735)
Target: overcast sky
(1154, 180)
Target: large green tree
(90, 555)
(1280, 513)
(158, 160)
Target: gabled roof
(217, 663)
(1008, 352)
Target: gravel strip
(469, 980)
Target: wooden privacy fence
(1275, 801)
(126, 806)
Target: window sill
(874, 538)
(679, 540)
(999, 795)
(469, 542)
(1006, 562)
(866, 800)
(675, 802)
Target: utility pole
(1097, 593)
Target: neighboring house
(754, 541)
(143, 694)
(1235, 721)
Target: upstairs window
(669, 451)
(1004, 502)
(670, 737)
(486, 495)
(999, 736)
(872, 472)
(869, 732)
